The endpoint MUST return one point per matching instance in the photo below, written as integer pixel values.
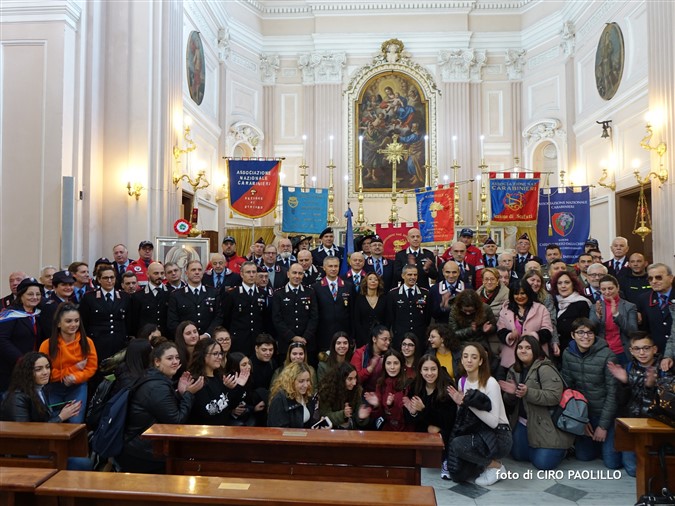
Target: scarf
(564, 302)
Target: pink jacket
(537, 318)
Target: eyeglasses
(640, 349)
(407, 345)
(385, 339)
(584, 333)
(658, 277)
(595, 274)
(222, 339)
(297, 345)
(217, 354)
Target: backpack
(102, 395)
(108, 438)
(571, 413)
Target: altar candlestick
(304, 147)
(454, 147)
(330, 150)
(426, 149)
(360, 149)
(482, 147)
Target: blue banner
(304, 211)
(254, 186)
(565, 220)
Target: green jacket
(589, 374)
(544, 390)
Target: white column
(661, 54)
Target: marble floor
(582, 483)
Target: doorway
(626, 209)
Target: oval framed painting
(196, 69)
(609, 59)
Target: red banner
(514, 197)
(436, 214)
(254, 185)
(394, 239)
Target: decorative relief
(269, 66)
(568, 38)
(596, 20)
(244, 132)
(321, 67)
(543, 129)
(290, 73)
(224, 44)
(462, 64)
(244, 62)
(514, 59)
(542, 58)
(494, 70)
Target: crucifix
(394, 153)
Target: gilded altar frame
(398, 96)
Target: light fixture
(188, 147)
(134, 190)
(222, 193)
(645, 143)
(605, 175)
(606, 129)
(642, 215)
(199, 183)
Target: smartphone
(324, 423)
(60, 404)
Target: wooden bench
(644, 435)
(81, 488)
(18, 484)
(53, 442)
(305, 454)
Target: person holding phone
(28, 399)
(291, 401)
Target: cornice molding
(15, 11)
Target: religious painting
(392, 108)
(196, 69)
(609, 58)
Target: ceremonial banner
(254, 186)
(436, 213)
(565, 220)
(514, 197)
(394, 239)
(304, 211)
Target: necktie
(415, 253)
(410, 293)
(108, 298)
(250, 292)
(596, 296)
(196, 292)
(80, 293)
(333, 289)
(378, 267)
(219, 281)
(617, 265)
(329, 252)
(491, 262)
(154, 292)
(295, 291)
(461, 268)
(357, 279)
(664, 300)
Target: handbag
(666, 497)
(662, 407)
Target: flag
(349, 242)
(436, 213)
(394, 238)
(565, 220)
(304, 211)
(254, 186)
(514, 197)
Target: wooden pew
(304, 454)
(18, 484)
(55, 441)
(644, 435)
(78, 488)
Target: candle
(454, 147)
(314, 181)
(304, 148)
(360, 149)
(482, 147)
(426, 149)
(330, 149)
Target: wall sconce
(199, 183)
(605, 176)
(189, 146)
(606, 129)
(222, 193)
(662, 174)
(134, 190)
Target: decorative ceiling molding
(321, 67)
(514, 61)
(543, 129)
(18, 11)
(568, 39)
(242, 132)
(463, 65)
(269, 68)
(224, 44)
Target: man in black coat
(150, 305)
(421, 257)
(277, 274)
(312, 273)
(220, 276)
(195, 302)
(619, 262)
(523, 255)
(245, 311)
(634, 282)
(408, 308)
(654, 306)
(334, 298)
(327, 248)
(378, 264)
(295, 313)
(467, 272)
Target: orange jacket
(67, 356)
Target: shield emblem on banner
(563, 223)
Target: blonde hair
(286, 381)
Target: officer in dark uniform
(312, 273)
(618, 265)
(490, 257)
(245, 311)
(408, 308)
(443, 293)
(376, 263)
(523, 255)
(654, 306)
(277, 274)
(423, 258)
(150, 305)
(105, 313)
(334, 297)
(196, 302)
(295, 313)
(326, 248)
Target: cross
(394, 153)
